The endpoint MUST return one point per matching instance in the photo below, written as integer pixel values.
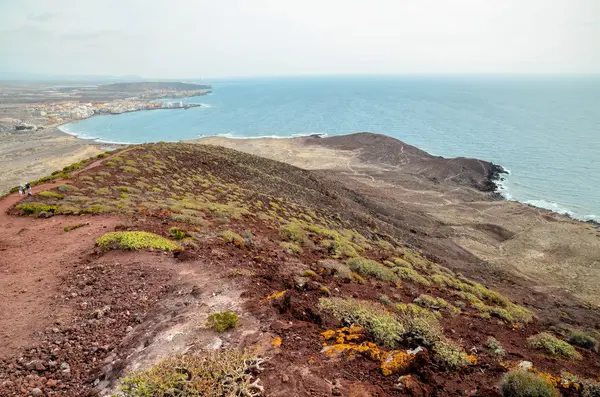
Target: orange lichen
(275, 295)
(276, 342)
(395, 361)
(348, 344)
(472, 359)
(557, 381)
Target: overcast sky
(198, 38)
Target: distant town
(44, 107)
(54, 113)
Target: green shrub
(232, 237)
(309, 273)
(135, 241)
(336, 269)
(583, 339)
(294, 232)
(133, 170)
(50, 194)
(178, 234)
(431, 302)
(494, 346)
(213, 373)
(191, 220)
(591, 388)
(553, 346)
(385, 327)
(35, 208)
(222, 321)
(98, 209)
(384, 299)
(370, 268)
(72, 167)
(66, 188)
(291, 247)
(423, 328)
(409, 274)
(521, 383)
(103, 191)
(102, 155)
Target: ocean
(544, 130)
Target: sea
(544, 130)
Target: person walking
(29, 190)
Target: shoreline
(494, 178)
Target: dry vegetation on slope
(331, 301)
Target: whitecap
(550, 205)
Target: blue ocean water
(545, 130)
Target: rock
(196, 292)
(36, 392)
(409, 386)
(301, 282)
(45, 214)
(215, 344)
(51, 382)
(285, 378)
(65, 368)
(129, 328)
(525, 365)
(35, 364)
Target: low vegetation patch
(33, 207)
(190, 220)
(583, 339)
(214, 373)
(232, 237)
(553, 346)
(135, 241)
(50, 194)
(73, 227)
(178, 234)
(336, 269)
(382, 325)
(409, 274)
(521, 383)
(222, 321)
(66, 188)
(291, 247)
(371, 268)
(416, 328)
(431, 302)
(130, 169)
(494, 346)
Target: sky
(216, 38)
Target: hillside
(267, 279)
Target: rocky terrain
(186, 269)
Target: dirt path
(34, 255)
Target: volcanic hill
(179, 269)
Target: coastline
(493, 184)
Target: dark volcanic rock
(384, 150)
